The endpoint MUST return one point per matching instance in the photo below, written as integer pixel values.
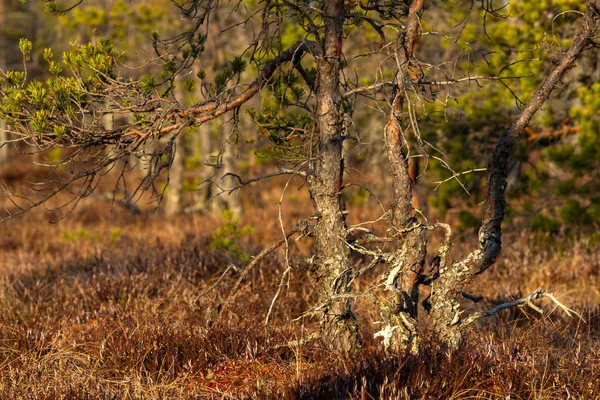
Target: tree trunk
(406, 269)
(231, 201)
(332, 272)
(201, 145)
(174, 193)
(406, 266)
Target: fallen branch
(537, 294)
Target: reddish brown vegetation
(96, 314)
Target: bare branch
(470, 79)
(537, 294)
(371, 88)
(300, 226)
(456, 175)
(284, 276)
(243, 183)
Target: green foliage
(147, 83)
(542, 223)
(43, 104)
(362, 197)
(468, 220)
(169, 67)
(232, 70)
(115, 234)
(572, 213)
(25, 46)
(79, 235)
(238, 65)
(15, 78)
(227, 237)
(593, 211)
(189, 85)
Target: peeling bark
(332, 272)
(447, 289)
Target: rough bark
(406, 268)
(332, 272)
(445, 298)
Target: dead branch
(243, 183)
(537, 294)
(300, 226)
(456, 175)
(375, 88)
(125, 203)
(469, 296)
(470, 79)
(284, 276)
(210, 111)
(213, 286)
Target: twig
(300, 226)
(210, 289)
(281, 285)
(243, 183)
(456, 175)
(125, 202)
(468, 79)
(286, 273)
(371, 88)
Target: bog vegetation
(287, 199)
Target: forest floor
(110, 305)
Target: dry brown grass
(91, 312)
